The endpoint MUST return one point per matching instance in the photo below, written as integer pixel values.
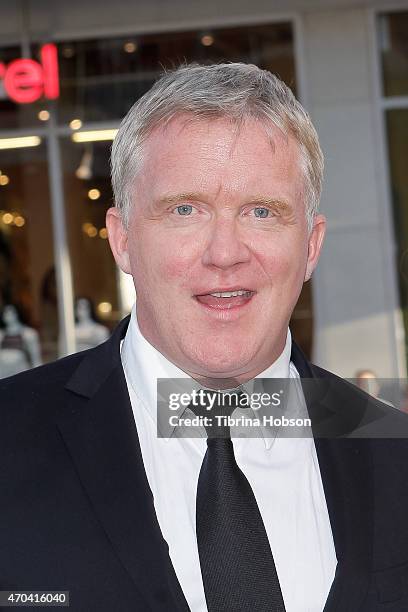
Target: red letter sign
(23, 80)
(49, 60)
(26, 81)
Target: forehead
(213, 154)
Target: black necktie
(237, 565)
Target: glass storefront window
(397, 128)
(28, 298)
(393, 44)
(100, 79)
(88, 194)
(393, 39)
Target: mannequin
(88, 333)
(19, 344)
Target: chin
(220, 364)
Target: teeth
(228, 294)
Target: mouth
(225, 299)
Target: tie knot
(218, 406)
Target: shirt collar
(144, 364)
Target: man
(217, 174)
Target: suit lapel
(347, 481)
(100, 433)
(346, 472)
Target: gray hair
(236, 91)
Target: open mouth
(225, 300)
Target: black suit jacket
(77, 513)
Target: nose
(225, 246)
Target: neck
(231, 380)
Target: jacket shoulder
(377, 419)
(58, 370)
(40, 387)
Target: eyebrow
(180, 197)
(282, 205)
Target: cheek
(158, 260)
(180, 259)
(283, 263)
(175, 269)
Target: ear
(118, 239)
(315, 243)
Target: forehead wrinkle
(185, 120)
(267, 126)
(219, 190)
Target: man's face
(217, 210)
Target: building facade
(347, 61)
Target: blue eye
(261, 213)
(184, 209)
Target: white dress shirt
(283, 473)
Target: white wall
(355, 290)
